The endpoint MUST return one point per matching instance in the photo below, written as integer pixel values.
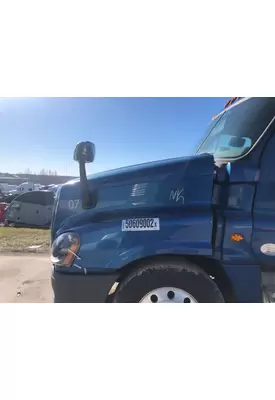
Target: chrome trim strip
(233, 105)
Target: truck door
(28, 209)
(36, 208)
(41, 204)
(263, 239)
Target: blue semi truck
(198, 229)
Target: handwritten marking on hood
(177, 195)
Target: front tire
(169, 282)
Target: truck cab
(190, 229)
(26, 187)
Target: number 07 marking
(73, 204)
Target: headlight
(64, 249)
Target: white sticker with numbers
(140, 224)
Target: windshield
(235, 132)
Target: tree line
(42, 172)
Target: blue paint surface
(246, 281)
(178, 192)
(200, 206)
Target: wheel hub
(168, 295)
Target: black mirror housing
(84, 152)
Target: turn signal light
(237, 237)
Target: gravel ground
(25, 278)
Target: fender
(105, 247)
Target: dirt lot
(25, 278)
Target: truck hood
(171, 184)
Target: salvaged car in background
(31, 209)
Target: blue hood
(173, 183)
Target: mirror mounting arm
(89, 198)
(85, 153)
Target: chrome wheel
(168, 295)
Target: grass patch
(19, 239)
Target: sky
(41, 133)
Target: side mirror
(84, 152)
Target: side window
(39, 198)
(49, 198)
(43, 198)
(24, 198)
(32, 198)
(233, 144)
